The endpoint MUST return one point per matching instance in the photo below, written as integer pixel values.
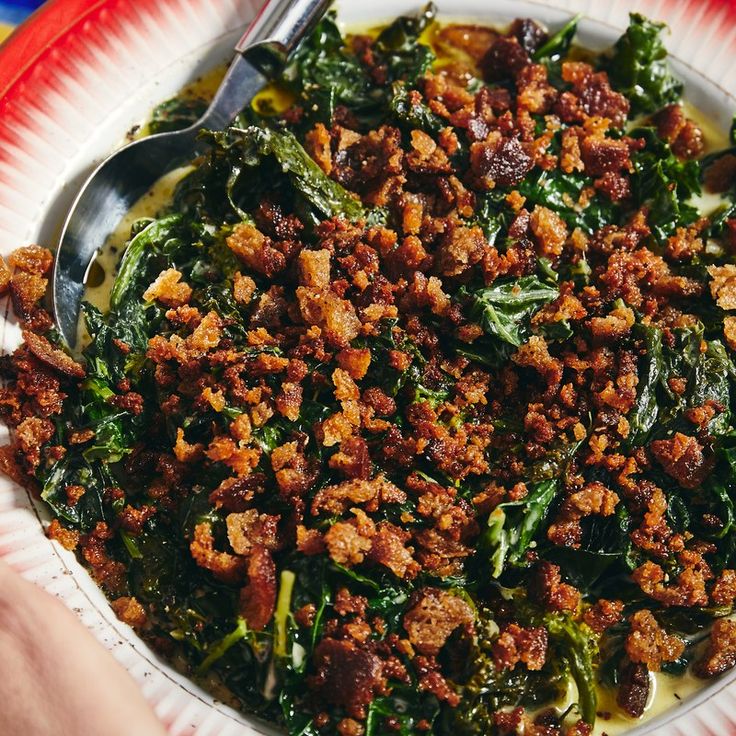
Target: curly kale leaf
(148, 243)
(559, 192)
(703, 364)
(324, 74)
(246, 148)
(76, 471)
(554, 462)
(721, 496)
(711, 381)
(323, 193)
(297, 722)
(398, 45)
(638, 67)
(558, 44)
(504, 310)
(708, 372)
(492, 215)
(406, 707)
(643, 415)
(719, 219)
(115, 432)
(411, 112)
(575, 647)
(314, 582)
(664, 184)
(487, 688)
(513, 525)
(177, 113)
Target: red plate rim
(56, 19)
(42, 31)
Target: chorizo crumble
(416, 402)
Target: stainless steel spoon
(129, 173)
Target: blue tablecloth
(13, 12)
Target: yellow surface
(4, 31)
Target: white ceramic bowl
(80, 73)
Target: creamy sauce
(715, 140)
(103, 269)
(273, 99)
(666, 691)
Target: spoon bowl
(124, 177)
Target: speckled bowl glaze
(79, 73)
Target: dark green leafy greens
(325, 74)
(324, 194)
(513, 525)
(560, 192)
(177, 113)
(643, 416)
(638, 67)
(505, 309)
(557, 45)
(485, 686)
(664, 183)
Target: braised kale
(504, 310)
(638, 67)
(325, 75)
(513, 525)
(359, 279)
(324, 194)
(556, 46)
(664, 184)
(177, 113)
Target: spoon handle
(262, 51)
(281, 24)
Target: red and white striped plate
(79, 73)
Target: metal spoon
(129, 173)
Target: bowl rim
(56, 20)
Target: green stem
(283, 608)
(220, 648)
